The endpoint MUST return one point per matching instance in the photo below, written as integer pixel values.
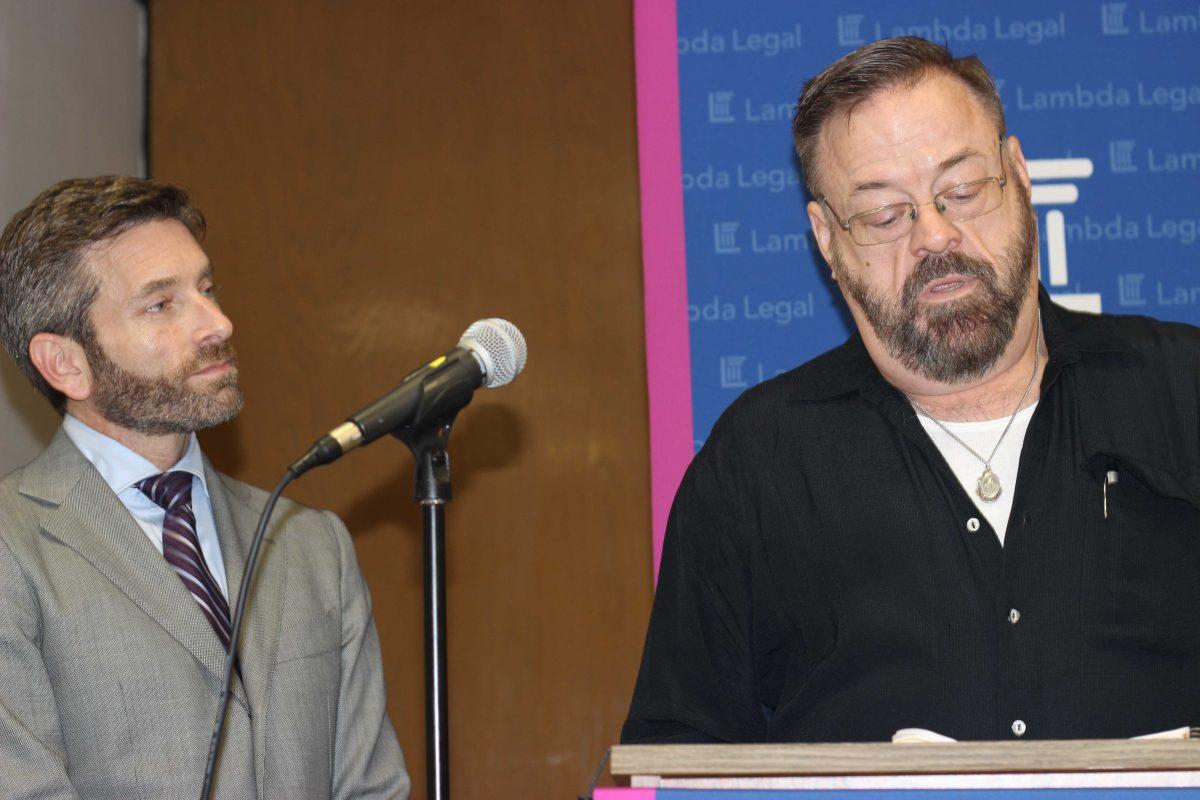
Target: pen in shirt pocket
(1110, 477)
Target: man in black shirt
(981, 514)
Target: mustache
(934, 267)
(208, 355)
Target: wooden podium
(1112, 769)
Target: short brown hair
(885, 64)
(43, 288)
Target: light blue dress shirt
(122, 469)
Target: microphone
(490, 353)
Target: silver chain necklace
(988, 485)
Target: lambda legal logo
(1129, 289)
(720, 106)
(725, 238)
(1120, 156)
(1048, 176)
(1112, 19)
(850, 30)
(731, 372)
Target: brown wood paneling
(376, 176)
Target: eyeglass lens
(958, 203)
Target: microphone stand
(428, 445)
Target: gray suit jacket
(110, 674)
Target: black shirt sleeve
(697, 681)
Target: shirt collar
(1072, 334)
(849, 369)
(120, 467)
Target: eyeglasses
(958, 203)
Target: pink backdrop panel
(668, 355)
(624, 794)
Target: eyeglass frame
(1001, 181)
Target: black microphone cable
(239, 615)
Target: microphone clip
(429, 445)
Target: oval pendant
(988, 486)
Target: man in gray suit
(122, 549)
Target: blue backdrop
(1105, 98)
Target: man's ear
(63, 364)
(822, 231)
(1017, 158)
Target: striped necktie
(173, 492)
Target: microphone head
(499, 347)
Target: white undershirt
(982, 436)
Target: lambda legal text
(1185, 231)
(1110, 95)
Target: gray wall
(71, 104)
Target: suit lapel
(236, 521)
(91, 520)
(228, 534)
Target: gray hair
(885, 64)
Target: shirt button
(1018, 727)
(973, 524)
(1014, 616)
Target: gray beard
(958, 341)
(164, 405)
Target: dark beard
(163, 405)
(957, 341)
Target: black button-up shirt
(826, 578)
